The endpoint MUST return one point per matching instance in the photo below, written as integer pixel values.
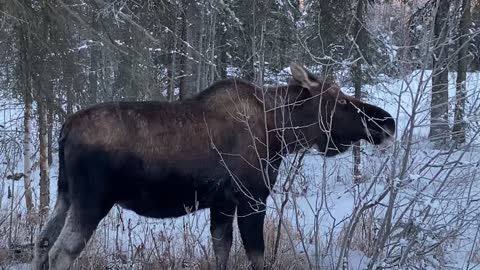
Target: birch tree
(359, 44)
(26, 85)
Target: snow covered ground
(433, 214)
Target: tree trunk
(27, 145)
(187, 85)
(92, 76)
(359, 35)
(439, 129)
(260, 57)
(94, 65)
(222, 59)
(173, 64)
(44, 89)
(69, 74)
(26, 73)
(44, 178)
(70, 97)
(251, 70)
(200, 48)
(211, 78)
(459, 124)
(50, 134)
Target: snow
(20, 266)
(84, 46)
(323, 198)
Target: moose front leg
(221, 219)
(251, 216)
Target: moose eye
(342, 101)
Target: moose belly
(163, 205)
(170, 198)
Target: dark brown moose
(219, 150)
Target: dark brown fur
(219, 150)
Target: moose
(220, 150)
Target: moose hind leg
(50, 233)
(81, 222)
(250, 219)
(221, 219)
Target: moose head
(319, 113)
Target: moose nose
(389, 127)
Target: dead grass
(365, 233)
(120, 244)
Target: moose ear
(302, 76)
